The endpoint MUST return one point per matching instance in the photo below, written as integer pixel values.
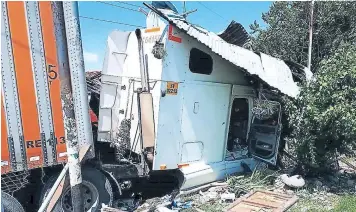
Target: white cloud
(90, 57)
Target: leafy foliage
(323, 118)
(286, 35)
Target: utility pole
(310, 34)
(80, 100)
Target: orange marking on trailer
(155, 29)
(172, 37)
(53, 77)
(5, 154)
(25, 81)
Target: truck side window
(200, 62)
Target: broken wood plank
(263, 200)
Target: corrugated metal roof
(271, 70)
(235, 34)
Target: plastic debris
(295, 181)
(176, 204)
(210, 195)
(227, 197)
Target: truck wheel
(10, 203)
(96, 190)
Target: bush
(323, 118)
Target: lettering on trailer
(38, 143)
(50, 49)
(172, 88)
(52, 74)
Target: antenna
(185, 12)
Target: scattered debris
(207, 196)
(105, 208)
(155, 203)
(295, 181)
(273, 192)
(227, 197)
(263, 201)
(178, 204)
(129, 204)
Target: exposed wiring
(213, 11)
(114, 5)
(121, 2)
(109, 21)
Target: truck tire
(96, 190)
(10, 203)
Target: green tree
(286, 33)
(323, 118)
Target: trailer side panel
(33, 133)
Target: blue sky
(94, 33)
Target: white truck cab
(205, 122)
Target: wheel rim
(90, 197)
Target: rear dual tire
(96, 190)
(10, 203)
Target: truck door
(265, 130)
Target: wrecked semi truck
(204, 111)
(179, 106)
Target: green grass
(346, 204)
(308, 205)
